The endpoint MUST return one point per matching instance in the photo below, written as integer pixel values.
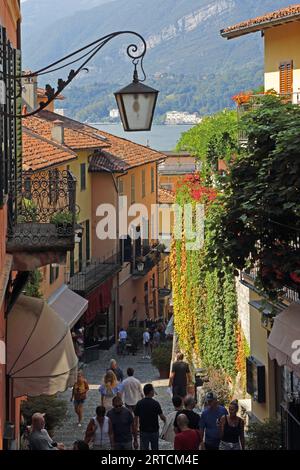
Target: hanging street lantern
(136, 103)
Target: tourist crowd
(128, 415)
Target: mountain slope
(183, 43)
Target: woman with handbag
(99, 433)
(232, 429)
(79, 394)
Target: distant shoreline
(119, 123)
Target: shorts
(179, 390)
(79, 402)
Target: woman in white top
(99, 432)
(109, 389)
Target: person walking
(79, 395)
(186, 438)
(113, 366)
(123, 426)
(210, 422)
(99, 432)
(232, 429)
(122, 340)
(180, 376)
(39, 438)
(168, 431)
(146, 413)
(188, 411)
(146, 344)
(109, 389)
(156, 338)
(131, 389)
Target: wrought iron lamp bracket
(52, 93)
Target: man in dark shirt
(147, 412)
(180, 376)
(193, 418)
(123, 426)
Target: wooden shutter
(286, 77)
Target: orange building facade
(9, 25)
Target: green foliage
(264, 436)
(218, 383)
(213, 139)
(162, 355)
(204, 298)
(54, 408)
(262, 195)
(29, 212)
(60, 218)
(32, 288)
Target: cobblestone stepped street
(144, 371)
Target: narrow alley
(144, 371)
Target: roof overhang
(261, 26)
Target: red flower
(295, 277)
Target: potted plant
(29, 212)
(64, 223)
(161, 359)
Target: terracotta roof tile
(75, 138)
(261, 22)
(40, 153)
(165, 196)
(79, 135)
(103, 161)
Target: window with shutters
(143, 183)
(152, 180)
(132, 189)
(10, 126)
(82, 176)
(54, 273)
(286, 77)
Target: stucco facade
(282, 44)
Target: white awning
(40, 352)
(169, 331)
(284, 339)
(69, 305)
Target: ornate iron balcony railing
(93, 274)
(42, 212)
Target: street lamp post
(136, 101)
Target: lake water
(161, 137)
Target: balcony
(93, 274)
(143, 264)
(253, 103)
(177, 169)
(42, 214)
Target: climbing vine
(204, 299)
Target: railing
(254, 103)
(94, 273)
(42, 211)
(290, 426)
(179, 169)
(142, 266)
